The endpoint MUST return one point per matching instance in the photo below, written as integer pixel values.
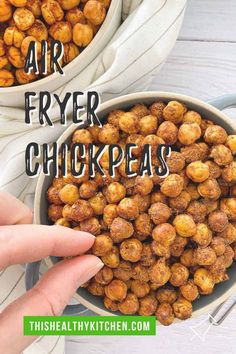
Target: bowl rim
(35, 85)
(129, 100)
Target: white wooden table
(202, 64)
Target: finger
(48, 298)
(13, 211)
(29, 243)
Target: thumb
(48, 298)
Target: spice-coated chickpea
(182, 308)
(114, 117)
(51, 11)
(228, 205)
(217, 220)
(123, 271)
(68, 4)
(174, 112)
(112, 258)
(228, 256)
(63, 222)
(148, 125)
(2, 48)
(143, 185)
(95, 12)
(61, 31)
(143, 225)
(5, 11)
(172, 185)
(164, 314)
(214, 169)
(164, 233)
(143, 202)
(140, 110)
(231, 143)
(210, 205)
(179, 204)
(91, 226)
(110, 305)
(15, 57)
(147, 306)
(131, 250)
(189, 133)
(96, 289)
(139, 272)
(23, 18)
(109, 214)
(18, 3)
(104, 276)
(215, 134)
(128, 209)
(204, 256)
(136, 139)
(156, 109)
(189, 291)
(218, 244)
(108, 134)
(177, 247)
(209, 189)
(185, 225)
(229, 233)
(160, 250)
(130, 305)
(121, 229)
(98, 203)
(221, 155)
(71, 51)
(179, 274)
(55, 212)
(26, 43)
(168, 132)
(175, 162)
(203, 235)
(158, 197)
(195, 152)
(23, 78)
(139, 289)
(198, 211)
(148, 258)
(69, 194)
(116, 290)
(35, 7)
(159, 272)
(187, 258)
(229, 172)
(154, 141)
(197, 171)
(81, 210)
(13, 36)
(75, 15)
(192, 117)
(88, 189)
(82, 34)
(53, 196)
(115, 192)
(66, 212)
(102, 245)
(129, 123)
(203, 279)
(168, 295)
(159, 213)
(3, 62)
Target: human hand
(23, 243)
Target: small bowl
(222, 291)
(14, 96)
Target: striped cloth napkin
(135, 53)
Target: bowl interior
(125, 103)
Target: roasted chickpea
(53, 195)
(218, 244)
(160, 250)
(217, 220)
(231, 143)
(69, 194)
(114, 117)
(174, 112)
(55, 212)
(129, 123)
(185, 225)
(228, 205)
(15, 57)
(104, 276)
(95, 288)
(115, 192)
(158, 197)
(88, 189)
(159, 213)
(121, 229)
(112, 258)
(5, 11)
(82, 34)
(192, 117)
(108, 134)
(63, 222)
(172, 185)
(168, 132)
(23, 78)
(182, 308)
(164, 234)
(140, 289)
(91, 225)
(123, 271)
(180, 203)
(229, 233)
(228, 256)
(229, 172)
(195, 152)
(221, 155)
(148, 258)
(203, 235)
(156, 109)
(13, 36)
(68, 4)
(148, 125)
(95, 12)
(128, 209)
(143, 225)
(189, 133)
(66, 212)
(159, 272)
(140, 110)
(109, 214)
(214, 169)
(51, 11)
(23, 18)
(165, 314)
(143, 185)
(136, 139)
(147, 306)
(175, 162)
(197, 171)
(154, 141)
(189, 291)
(131, 250)
(61, 31)
(166, 295)
(197, 210)
(139, 272)
(203, 279)
(18, 3)
(34, 6)
(116, 290)
(177, 247)
(143, 202)
(26, 43)
(179, 274)
(75, 15)
(130, 305)
(215, 134)
(209, 189)
(81, 210)
(102, 245)
(204, 256)
(110, 305)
